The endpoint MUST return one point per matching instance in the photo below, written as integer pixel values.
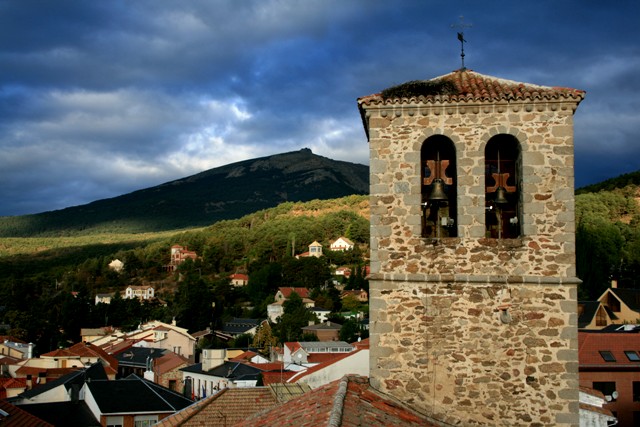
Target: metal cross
(461, 26)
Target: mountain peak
(226, 192)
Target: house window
(172, 385)
(607, 388)
(115, 421)
(439, 183)
(503, 211)
(607, 356)
(145, 420)
(601, 317)
(632, 355)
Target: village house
(131, 401)
(310, 353)
(239, 279)
(594, 315)
(341, 244)
(180, 254)
(54, 364)
(104, 298)
(142, 292)
(360, 295)
(15, 348)
(215, 372)
(276, 309)
(622, 305)
(337, 367)
(239, 326)
(326, 331)
(609, 361)
(153, 334)
(315, 250)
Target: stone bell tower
(473, 282)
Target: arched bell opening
(503, 201)
(439, 188)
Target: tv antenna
(460, 27)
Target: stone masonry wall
(472, 330)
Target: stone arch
(439, 183)
(503, 185)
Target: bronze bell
(501, 196)
(437, 191)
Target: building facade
(473, 289)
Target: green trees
(607, 240)
(193, 306)
(294, 318)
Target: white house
(341, 244)
(215, 372)
(354, 362)
(139, 292)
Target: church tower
(473, 288)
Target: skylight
(632, 356)
(607, 356)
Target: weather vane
(461, 26)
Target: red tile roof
(247, 355)
(346, 402)
(302, 292)
(11, 338)
(19, 418)
(467, 85)
(168, 362)
(592, 343)
(225, 408)
(276, 377)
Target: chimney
(614, 284)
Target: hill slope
(226, 192)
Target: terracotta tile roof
(592, 343)
(267, 367)
(60, 352)
(19, 418)
(13, 383)
(247, 355)
(346, 402)
(465, 85)
(324, 357)
(168, 362)
(302, 292)
(51, 373)
(361, 344)
(8, 360)
(276, 377)
(11, 338)
(225, 408)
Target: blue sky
(101, 98)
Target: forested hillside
(47, 291)
(47, 284)
(608, 235)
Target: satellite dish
(607, 398)
(614, 395)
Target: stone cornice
(412, 108)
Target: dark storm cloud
(102, 98)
